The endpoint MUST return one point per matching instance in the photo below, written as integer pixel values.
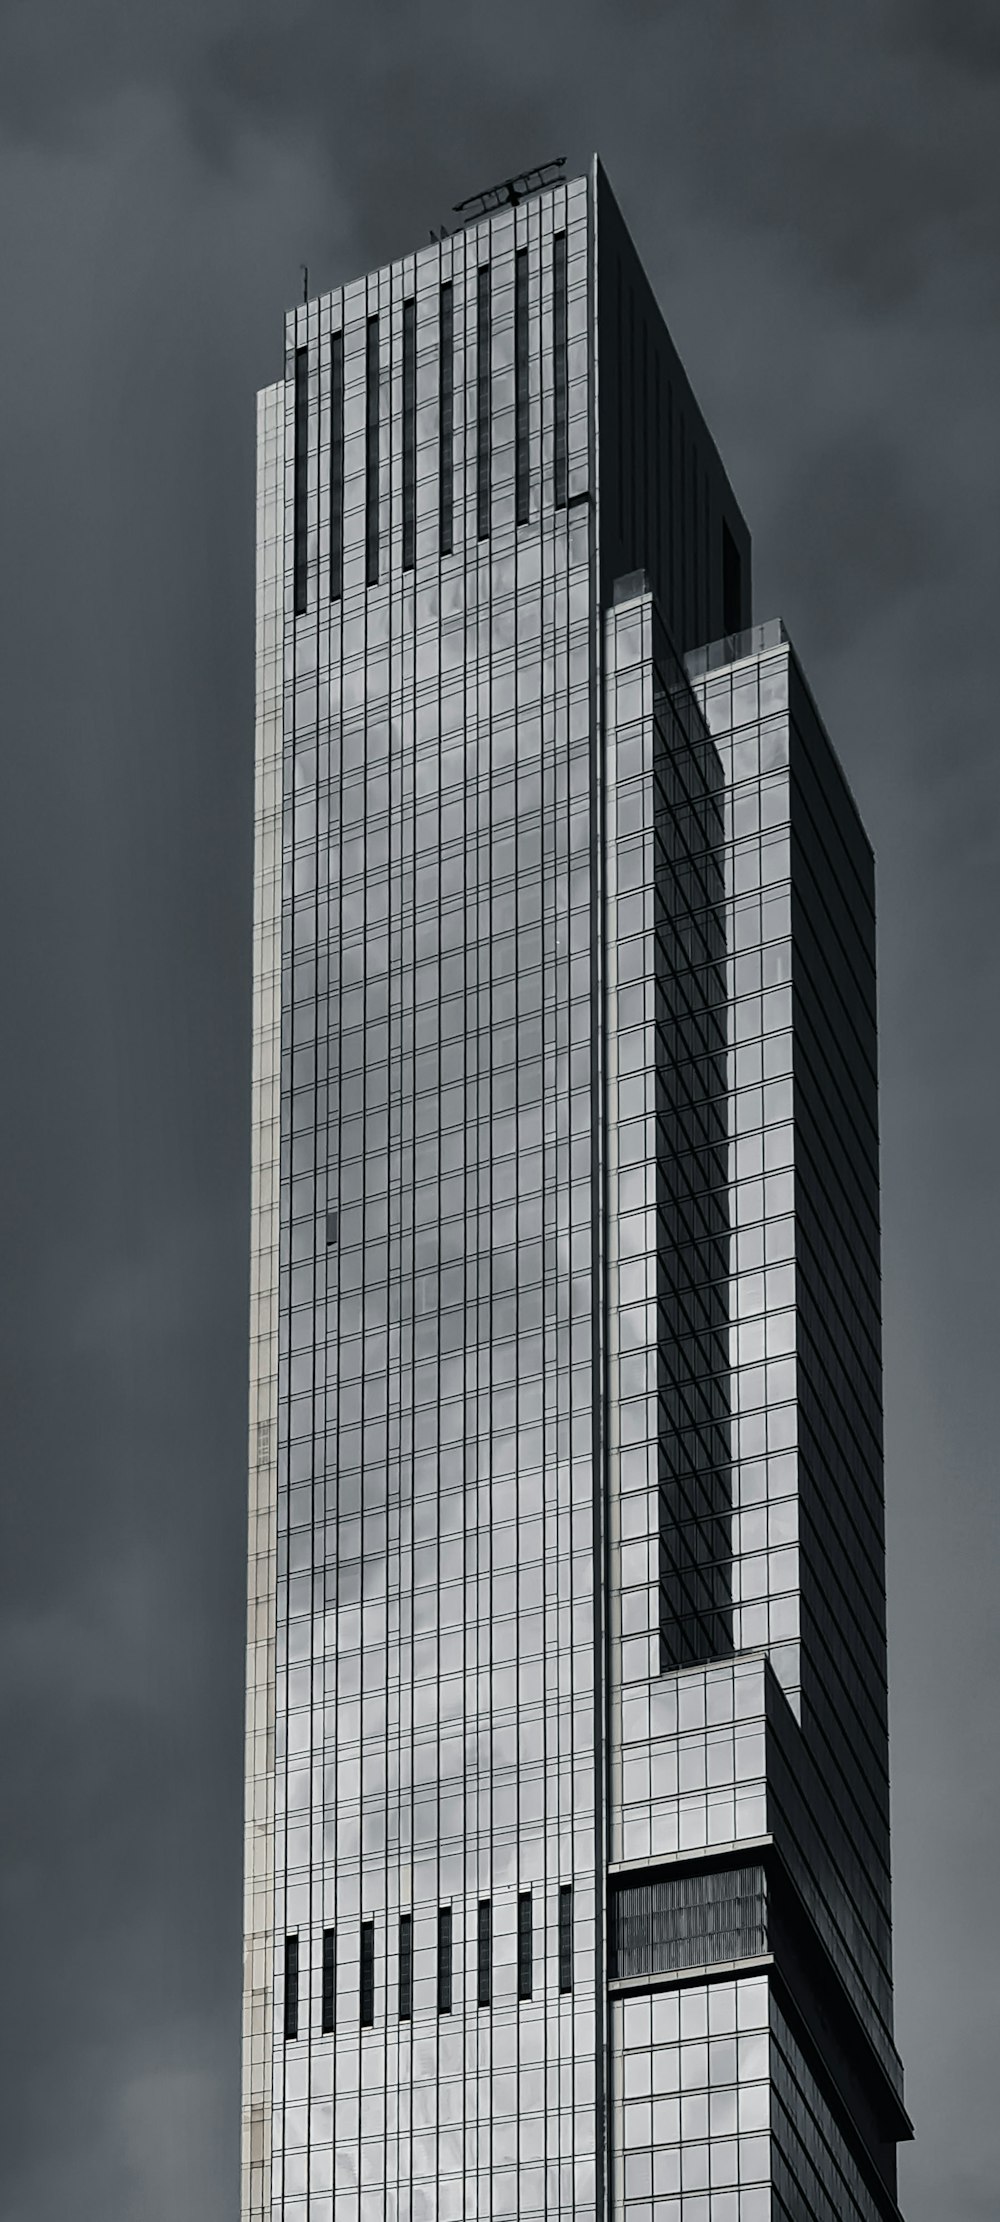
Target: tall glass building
(567, 1826)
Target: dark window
(444, 1959)
(560, 371)
(371, 452)
(566, 1937)
(484, 1954)
(483, 401)
(409, 434)
(291, 1986)
(405, 1966)
(300, 491)
(367, 1974)
(332, 1228)
(522, 418)
(732, 583)
(524, 1944)
(329, 1982)
(446, 423)
(336, 466)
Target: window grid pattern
(692, 2104)
(435, 1680)
(718, 2115)
(805, 1359)
(259, 1833)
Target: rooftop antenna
(510, 190)
(304, 267)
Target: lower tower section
(752, 2068)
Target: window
(367, 1974)
(524, 1944)
(328, 2000)
(405, 1966)
(409, 434)
(371, 452)
(444, 1959)
(292, 1986)
(522, 419)
(483, 401)
(300, 489)
(484, 1953)
(332, 1228)
(336, 466)
(560, 372)
(566, 1937)
(446, 421)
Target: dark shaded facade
(567, 1804)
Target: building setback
(567, 1824)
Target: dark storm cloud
(815, 194)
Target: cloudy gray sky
(814, 189)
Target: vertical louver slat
(300, 486)
(336, 466)
(409, 434)
(446, 420)
(372, 453)
(483, 427)
(522, 418)
(560, 372)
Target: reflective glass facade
(567, 1847)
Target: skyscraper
(567, 1794)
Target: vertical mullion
(522, 451)
(371, 452)
(409, 433)
(560, 374)
(300, 487)
(336, 466)
(483, 440)
(446, 419)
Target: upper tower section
(444, 405)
